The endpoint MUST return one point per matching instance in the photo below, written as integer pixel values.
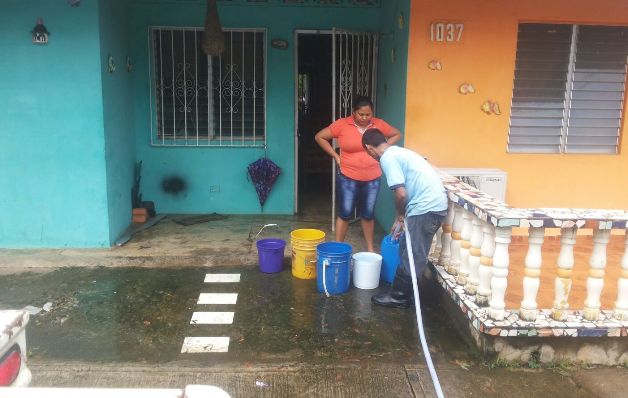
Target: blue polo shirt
(406, 168)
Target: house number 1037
(446, 32)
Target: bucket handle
(325, 265)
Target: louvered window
(568, 94)
(205, 100)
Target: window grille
(568, 94)
(203, 100)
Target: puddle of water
(129, 314)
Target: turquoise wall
(117, 114)
(391, 88)
(226, 167)
(53, 190)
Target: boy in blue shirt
(420, 199)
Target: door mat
(197, 219)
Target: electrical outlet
(214, 188)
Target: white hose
(419, 318)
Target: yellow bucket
(304, 242)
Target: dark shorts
(352, 193)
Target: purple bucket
(270, 253)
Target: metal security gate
(354, 72)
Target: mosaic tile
(495, 332)
(614, 332)
(500, 214)
(543, 326)
(593, 332)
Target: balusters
(485, 270)
(499, 281)
(436, 246)
(454, 262)
(445, 251)
(621, 305)
(595, 281)
(474, 255)
(562, 283)
(531, 279)
(465, 245)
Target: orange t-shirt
(355, 163)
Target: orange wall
(452, 131)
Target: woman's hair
(373, 137)
(360, 101)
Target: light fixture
(40, 33)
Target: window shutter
(597, 95)
(538, 100)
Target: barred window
(569, 85)
(202, 100)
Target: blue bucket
(390, 258)
(332, 267)
(270, 254)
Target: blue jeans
(352, 193)
(422, 229)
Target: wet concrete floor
(134, 314)
(131, 322)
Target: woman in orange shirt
(357, 182)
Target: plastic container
(304, 242)
(366, 270)
(390, 258)
(333, 267)
(270, 252)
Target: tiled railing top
(500, 214)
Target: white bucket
(366, 270)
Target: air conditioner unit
(490, 181)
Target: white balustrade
(445, 253)
(621, 305)
(454, 262)
(595, 281)
(465, 245)
(475, 253)
(473, 248)
(485, 270)
(499, 281)
(531, 280)
(562, 283)
(436, 246)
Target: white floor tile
(212, 318)
(217, 298)
(222, 278)
(205, 344)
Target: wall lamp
(40, 33)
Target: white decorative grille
(205, 100)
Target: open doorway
(314, 112)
